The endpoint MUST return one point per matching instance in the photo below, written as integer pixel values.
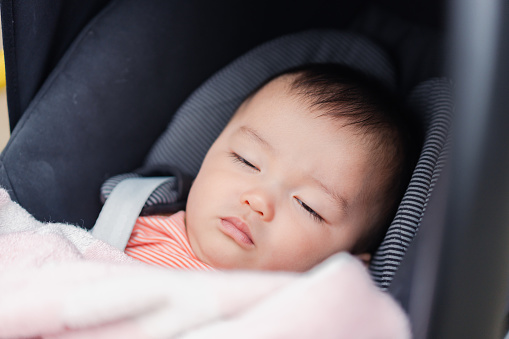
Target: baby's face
(280, 189)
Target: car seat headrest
(180, 150)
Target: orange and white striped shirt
(162, 241)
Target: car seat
(180, 150)
(112, 93)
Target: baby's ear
(365, 258)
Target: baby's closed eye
(311, 212)
(241, 160)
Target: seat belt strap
(122, 208)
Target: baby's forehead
(339, 115)
(281, 89)
(314, 100)
(282, 84)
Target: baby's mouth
(238, 230)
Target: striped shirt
(162, 241)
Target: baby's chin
(225, 263)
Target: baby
(313, 163)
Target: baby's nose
(260, 202)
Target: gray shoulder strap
(120, 211)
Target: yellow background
(4, 118)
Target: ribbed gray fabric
(202, 117)
(432, 100)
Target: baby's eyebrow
(342, 202)
(255, 136)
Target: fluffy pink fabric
(57, 281)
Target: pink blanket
(57, 281)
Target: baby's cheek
(300, 251)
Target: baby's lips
(241, 227)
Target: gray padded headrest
(202, 117)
